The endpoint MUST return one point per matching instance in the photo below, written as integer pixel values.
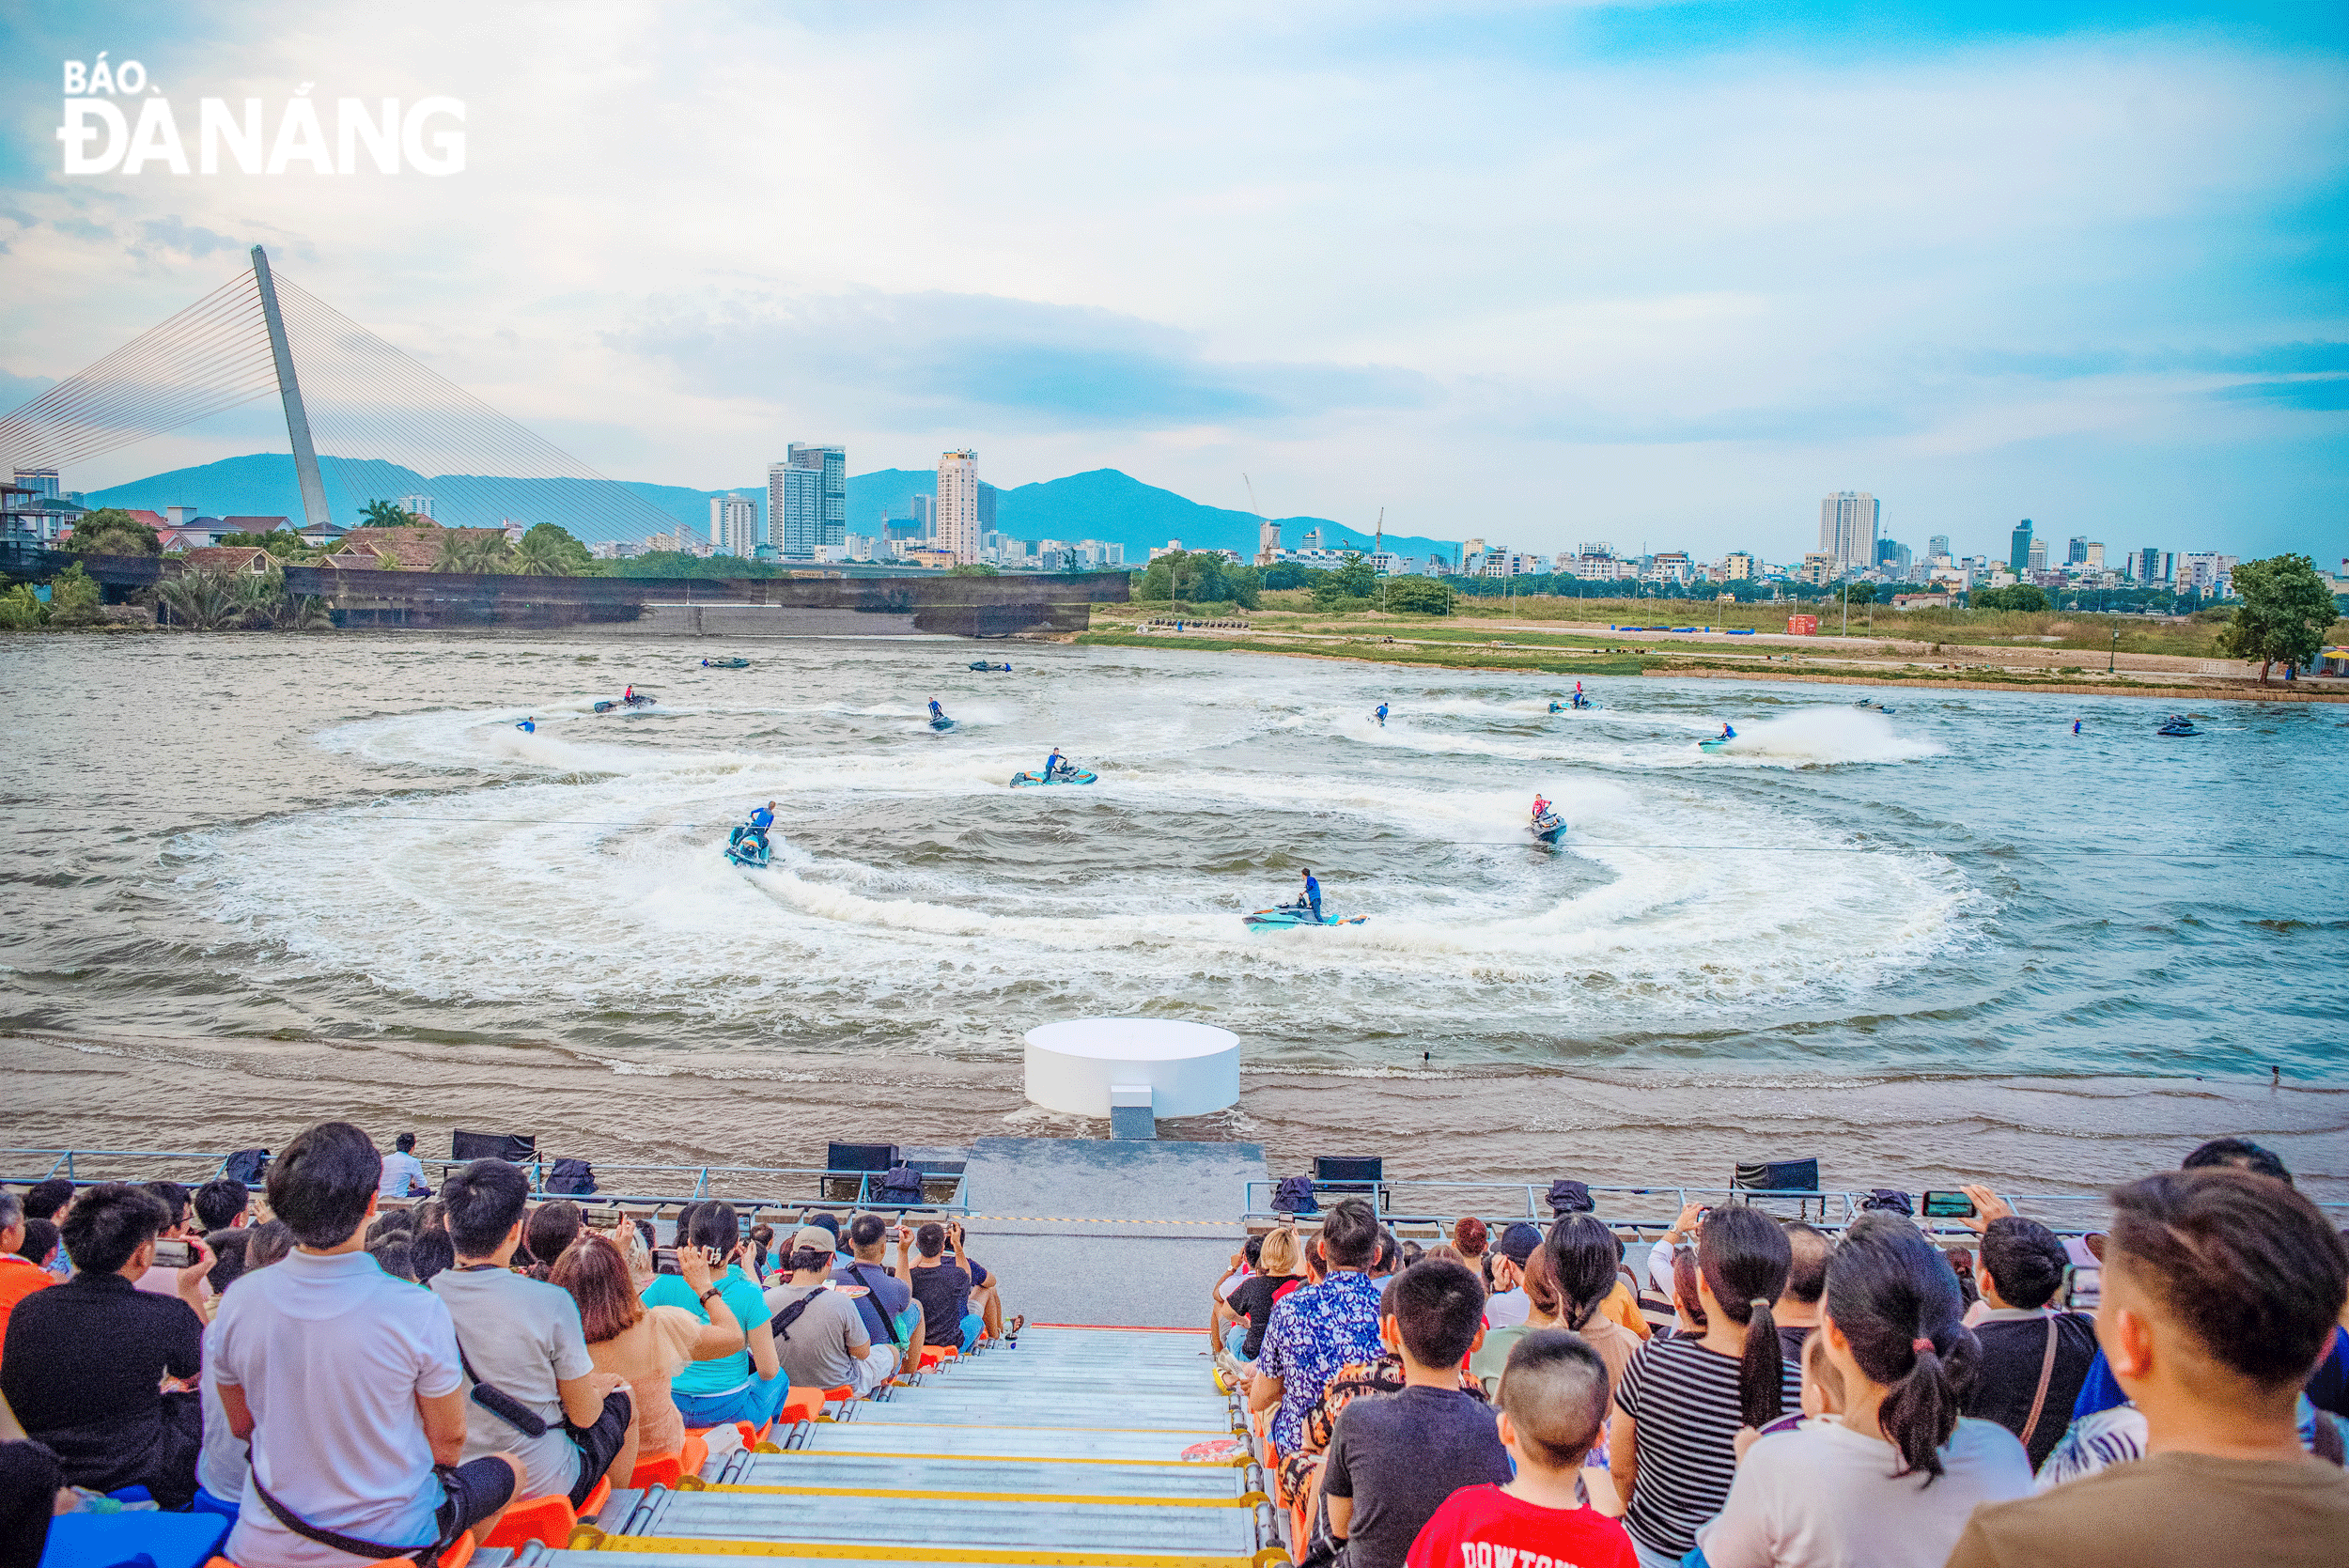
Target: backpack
(1889, 1202)
(247, 1166)
(1569, 1197)
(573, 1178)
(1295, 1195)
(900, 1184)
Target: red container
(1802, 626)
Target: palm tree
(544, 555)
(203, 599)
(472, 554)
(386, 514)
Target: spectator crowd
(350, 1381)
(1792, 1399)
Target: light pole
(2114, 658)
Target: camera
(664, 1260)
(1948, 1205)
(175, 1254)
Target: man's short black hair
(1439, 1307)
(321, 1184)
(405, 1143)
(485, 1200)
(2250, 1269)
(1554, 1388)
(43, 1200)
(40, 1239)
(1390, 1252)
(227, 1257)
(2239, 1153)
(219, 1202)
(2025, 1259)
(1349, 1235)
(866, 1229)
(1806, 1281)
(930, 1240)
(174, 1198)
(109, 1222)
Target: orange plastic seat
(843, 1393)
(667, 1470)
(546, 1520)
(801, 1405)
(932, 1355)
(459, 1553)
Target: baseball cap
(812, 1238)
(1518, 1241)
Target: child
(1394, 1459)
(1822, 1396)
(1553, 1403)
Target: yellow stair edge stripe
(1196, 1435)
(587, 1538)
(1101, 1499)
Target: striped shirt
(1684, 1399)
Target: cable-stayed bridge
(364, 419)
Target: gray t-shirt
(1399, 1456)
(815, 1348)
(523, 1336)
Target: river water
(291, 877)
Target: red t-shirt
(1484, 1527)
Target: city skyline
(2077, 274)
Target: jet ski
(726, 663)
(1571, 703)
(941, 723)
(1289, 916)
(1549, 826)
(748, 847)
(2178, 725)
(1061, 776)
(641, 699)
(1870, 702)
(1719, 743)
(982, 664)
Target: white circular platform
(1189, 1069)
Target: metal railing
(748, 1188)
(1635, 1210)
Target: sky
(1661, 274)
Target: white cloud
(1188, 241)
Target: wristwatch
(708, 1294)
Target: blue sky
(1659, 273)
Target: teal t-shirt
(749, 1306)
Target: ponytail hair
(1582, 1257)
(1895, 1301)
(1745, 1258)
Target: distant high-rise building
(2037, 559)
(2095, 556)
(1847, 529)
(959, 506)
(416, 506)
(925, 516)
(2018, 548)
(832, 464)
(2148, 569)
(1937, 548)
(987, 506)
(2075, 553)
(1738, 566)
(42, 482)
(1268, 543)
(1893, 557)
(733, 525)
(794, 509)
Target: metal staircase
(1069, 1448)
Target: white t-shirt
(1824, 1497)
(524, 1336)
(1507, 1309)
(332, 1354)
(403, 1173)
(221, 1467)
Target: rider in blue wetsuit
(1312, 898)
(1382, 715)
(1054, 764)
(1728, 734)
(528, 726)
(935, 711)
(762, 820)
(2076, 727)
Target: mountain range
(1105, 504)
